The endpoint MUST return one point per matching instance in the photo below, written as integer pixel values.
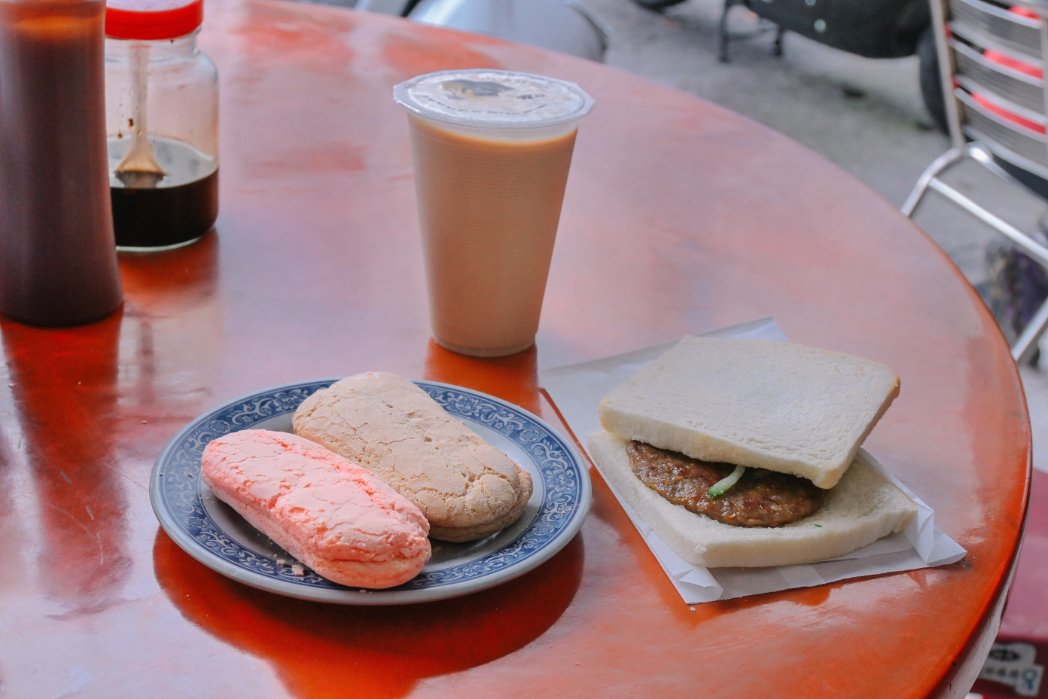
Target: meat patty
(761, 498)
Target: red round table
(680, 217)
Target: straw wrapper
(577, 389)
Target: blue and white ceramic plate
(211, 532)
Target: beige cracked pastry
(465, 487)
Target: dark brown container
(57, 252)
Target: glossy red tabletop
(680, 217)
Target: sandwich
(466, 488)
(746, 453)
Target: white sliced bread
(863, 508)
(776, 405)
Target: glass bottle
(162, 123)
(57, 260)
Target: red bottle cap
(152, 19)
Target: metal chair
(992, 57)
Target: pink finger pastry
(331, 514)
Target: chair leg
(1021, 239)
(944, 161)
(780, 31)
(723, 35)
(1026, 344)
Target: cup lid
(485, 97)
(152, 19)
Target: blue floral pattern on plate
(213, 534)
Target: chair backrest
(993, 64)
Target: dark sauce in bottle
(57, 263)
(159, 212)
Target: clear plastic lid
(488, 98)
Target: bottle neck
(180, 47)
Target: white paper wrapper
(577, 389)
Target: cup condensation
(492, 150)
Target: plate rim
(356, 596)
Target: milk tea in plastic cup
(492, 150)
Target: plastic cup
(492, 150)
